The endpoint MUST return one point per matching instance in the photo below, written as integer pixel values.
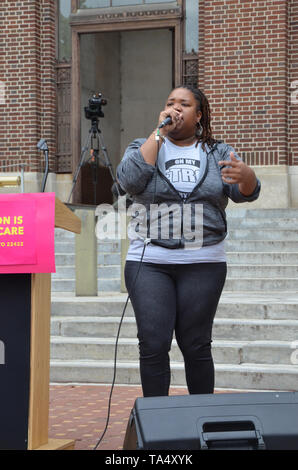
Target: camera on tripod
(94, 110)
(95, 144)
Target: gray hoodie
(148, 185)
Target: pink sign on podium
(27, 233)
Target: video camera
(94, 110)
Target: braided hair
(204, 132)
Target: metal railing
(6, 181)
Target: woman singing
(179, 283)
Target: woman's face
(183, 101)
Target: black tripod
(95, 142)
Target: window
(64, 33)
(117, 3)
(191, 39)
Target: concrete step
(62, 285)
(257, 376)
(68, 285)
(92, 327)
(263, 234)
(109, 272)
(68, 245)
(223, 328)
(223, 351)
(261, 213)
(109, 285)
(232, 284)
(114, 259)
(260, 246)
(255, 330)
(248, 245)
(64, 272)
(235, 284)
(103, 272)
(110, 305)
(278, 238)
(234, 270)
(103, 259)
(64, 259)
(104, 349)
(246, 305)
(64, 247)
(265, 258)
(244, 376)
(237, 240)
(262, 270)
(110, 246)
(61, 234)
(266, 223)
(109, 259)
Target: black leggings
(181, 298)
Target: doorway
(134, 71)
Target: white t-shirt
(182, 166)
(182, 169)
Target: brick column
(28, 75)
(293, 78)
(48, 78)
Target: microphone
(165, 122)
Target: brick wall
(293, 78)
(245, 51)
(27, 71)
(248, 61)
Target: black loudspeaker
(255, 420)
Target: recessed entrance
(134, 71)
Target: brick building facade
(247, 66)
(28, 56)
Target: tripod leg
(108, 162)
(94, 166)
(74, 181)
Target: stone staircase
(254, 330)
(109, 271)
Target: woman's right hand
(176, 117)
(148, 149)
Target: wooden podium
(24, 403)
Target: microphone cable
(146, 242)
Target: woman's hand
(148, 149)
(176, 117)
(238, 172)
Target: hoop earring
(200, 129)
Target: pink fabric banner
(27, 233)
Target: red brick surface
(247, 63)
(79, 412)
(27, 58)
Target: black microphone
(165, 122)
